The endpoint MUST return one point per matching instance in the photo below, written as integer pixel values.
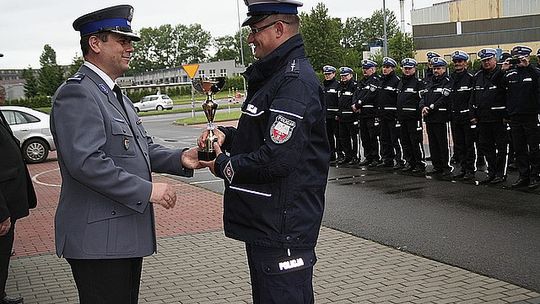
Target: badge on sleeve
(228, 172)
(282, 129)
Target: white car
(154, 102)
(32, 129)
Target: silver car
(31, 128)
(154, 102)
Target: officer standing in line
(487, 111)
(277, 167)
(429, 71)
(365, 103)
(462, 134)
(504, 66)
(331, 85)
(522, 83)
(434, 104)
(408, 114)
(348, 130)
(387, 112)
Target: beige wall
(465, 10)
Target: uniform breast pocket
(121, 141)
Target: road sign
(191, 69)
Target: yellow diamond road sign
(191, 69)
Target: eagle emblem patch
(282, 129)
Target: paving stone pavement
(196, 263)
(210, 268)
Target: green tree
(248, 53)
(373, 26)
(31, 83)
(50, 75)
(322, 35)
(226, 49)
(76, 63)
(197, 42)
(353, 33)
(400, 46)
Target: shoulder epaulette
(78, 77)
(293, 68)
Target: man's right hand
(425, 111)
(5, 226)
(163, 194)
(201, 142)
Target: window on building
(201, 73)
(212, 73)
(223, 72)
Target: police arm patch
(282, 129)
(228, 172)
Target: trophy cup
(209, 86)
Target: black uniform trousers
(6, 247)
(411, 141)
(332, 131)
(390, 147)
(493, 144)
(526, 141)
(275, 280)
(463, 138)
(348, 137)
(107, 281)
(369, 130)
(438, 144)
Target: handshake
(163, 193)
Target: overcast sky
(26, 26)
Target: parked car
(158, 102)
(32, 129)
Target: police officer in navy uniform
(104, 223)
(387, 112)
(331, 85)
(365, 103)
(348, 119)
(434, 104)
(408, 114)
(276, 171)
(487, 112)
(462, 134)
(522, 83)
(429, 71)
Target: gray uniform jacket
(105, 160)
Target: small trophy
(209, 86)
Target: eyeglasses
(255, 30)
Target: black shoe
(407, 168)
(344, 161)
(435, 171)
(398, 166)
(521, 182)
(365, 162)
(535, 182)
(385, 165)
(459, 175)
(512, 167)
(498, 180)
(468, 176)
(11, 300)
(488, 180)
(418, 170)
(374, 164)
(353, 161)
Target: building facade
(470, 25)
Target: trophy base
(206, 155)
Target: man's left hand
(212, 164)
(5, 226)
(190, 159)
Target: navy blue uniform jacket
(275, 176)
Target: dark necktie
(118, 92)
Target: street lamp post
(385, 41)
(240, 38)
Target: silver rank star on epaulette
(78, 77)
(293, 68)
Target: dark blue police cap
(345, 71)
(408, 63)
(389, 62)
(438, 62)
(115, 19)
(260, 9)
(521, 50)
(504, 56)
(430, 55)
(487, 53)
(328, 69)
(367, 63)
(460, 55)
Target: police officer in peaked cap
(330, 85)
(462, 134)
(107, 158)
(429, 70)
(347, 117)
(522, 83)
(365, 103)
(278, 159)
